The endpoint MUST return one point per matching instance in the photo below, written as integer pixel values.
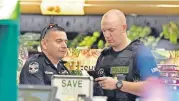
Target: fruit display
(96, 40)
(30, 41)
(87, 41)
(144, 34)
(100, 44)
(74, 43)
(136, 32)
(171, 32)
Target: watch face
(119, 84)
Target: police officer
(124, 65)
(39, 68)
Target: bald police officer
(39, 68)
(126, 64)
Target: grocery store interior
(156, 23)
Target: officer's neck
(122, 46)
(52, 59)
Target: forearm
(135, 88)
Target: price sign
(69, 87)
(62, 7)
(167, 67)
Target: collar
(49, 62)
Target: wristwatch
(119, 84)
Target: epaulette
(37, 55)
(34, 57)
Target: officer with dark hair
(39, 68)
(124, 66)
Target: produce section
(95, 40)
(171, 32)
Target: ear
(124, 27)
(44, 44)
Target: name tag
(47, 72)
(119, 70)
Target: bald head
(113, 25)
(114, 15)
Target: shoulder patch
(33, 67)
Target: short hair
(51, 27)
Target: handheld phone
(93, 74)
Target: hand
(107, 82)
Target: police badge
(33, 67)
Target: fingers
(104, 86)
(101, 82)
(100, 79)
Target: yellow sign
(84, 59)
(62, 7)
(119, 70)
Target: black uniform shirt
(38, 70)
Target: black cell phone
(93, 74)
